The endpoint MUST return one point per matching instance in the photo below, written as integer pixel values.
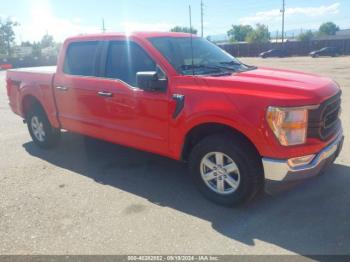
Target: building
(340, 35)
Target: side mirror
(150, 81)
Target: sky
(63, 18)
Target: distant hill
(219, 38)
(289, 34)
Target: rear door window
(81, 58)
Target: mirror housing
(150, 81)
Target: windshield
(207, 57)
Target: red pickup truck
(183, 97)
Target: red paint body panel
(144, 120)
(5, 66)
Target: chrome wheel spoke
(42, 132)
(231, 168)
(36, 133)
(231, 182)
(220, 185)
(35, 122)
(209, 176)
(38, 129)
(209, 164)
(220, 173)
(219, 158)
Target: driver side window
(125, 59)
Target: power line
(192, 58)
(202, 31)
(283, 12)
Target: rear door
(77, 86)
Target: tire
(40, 129)
(248, 181)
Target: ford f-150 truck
(183, 97)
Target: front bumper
(280, 170)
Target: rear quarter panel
(23, 83)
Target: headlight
(288, 124)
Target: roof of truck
(136, 34)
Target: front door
(130, 115)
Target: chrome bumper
(280, 170)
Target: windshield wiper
(203, 66)
(230, 63)
(241, 69)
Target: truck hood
(277, 84)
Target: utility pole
(283, 10)
(103, 26)
(202, 14)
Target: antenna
(103, 26)
(191, 36)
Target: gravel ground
(91, 197)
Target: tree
(239, 33)
(260, 34)
(26, 44)
(306, 36)
(7, 35)
(47, 41)
(184, 29)
(328, 28)
(36, 52)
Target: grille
(324, 121)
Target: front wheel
(226, 169)
(40, 129)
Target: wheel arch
(29, 102)
(202, 130)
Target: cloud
(315, 11)
(129, 26)
(274, 15)
(42, 20)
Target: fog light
(300, 161)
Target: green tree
(328, 28)
(260, 34)
(26, 44)
(239, 33)
(7, 35)
(184, 29)
(36, 49)
(306, 36)
(47, 41)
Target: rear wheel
(40, 129)
(226, 170)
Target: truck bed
(33, 82)
(39, 69)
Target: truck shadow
(313, 218)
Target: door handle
(62, 88)
(105, 94)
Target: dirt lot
(90, 197)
